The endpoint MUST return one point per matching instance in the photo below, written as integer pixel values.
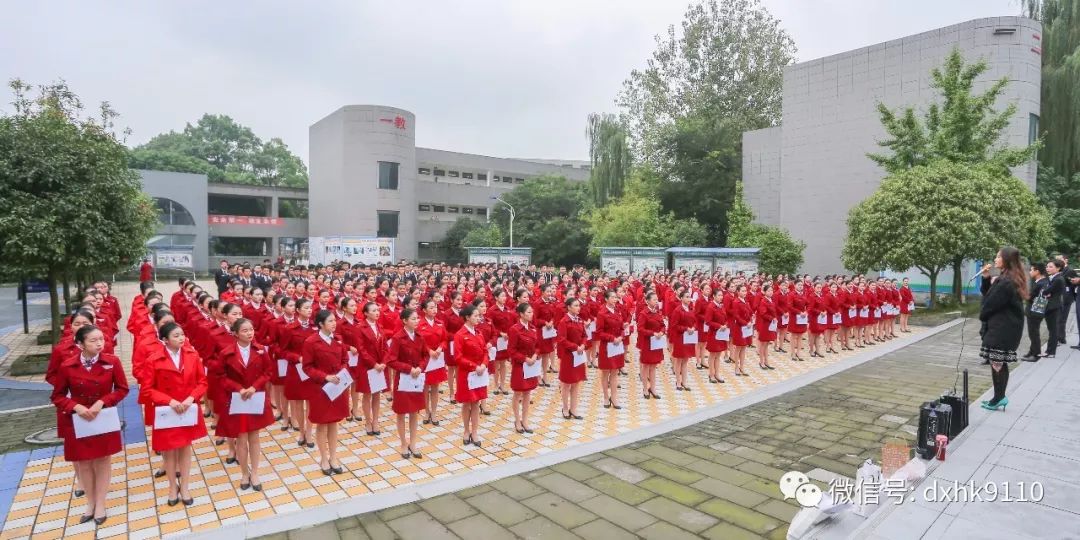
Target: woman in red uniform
(719, 334)
(782, 302)
(799, 318)
(683, 336)
(324, 358)
(907, 305)
(472, 357)
(740, 315)
(83, 385)
(408, 356)
(819, 320)
(244, 370)
(502, 318)
(571, 342)
(297, 390)
(650, 322)
(176, 379)
(701, 303)
(523, 342)
(546, 314)
(372, 351)
(347, 334)
(453, 320)
(767, 324)
(271, 334)
(433, 330)
(609, 328)
(832, 307)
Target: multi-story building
(806, 174)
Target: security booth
(632, 259)
(729, 260)
(520, 256)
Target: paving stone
(482, 488)
(420, 525)
(626, 516)
(560, 510)
(502, 509)
(479, 526)
(662, 530)
(542, 527)
(743, 517)
(768, 488)
(356, 533)
(447, 508)
(673, 512)
(722, 446)
(729, 474)
(627, 455)
(727, 531)
(624, 491)
(567, 487)
(576, 470)
(674, 457)
(763, 471)
(782, 511)
(670, 472)
(731, 492)
(674, 490)
(347, 523)
(621, 470)
(831, 465)
(375, 528)
(326, 531)
(600, 529)
(517, 488)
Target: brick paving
(716, 479)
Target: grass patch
(45, 338)
(941, 314)
(30, 364)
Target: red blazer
(320, 359)
(680, 321)
(434, 333)
(715, 316)
(291, 347)
(523, 342)
(236, 377)
(257, 315)
(471, 350)
(164, 383)
(609, 326)
(74, 385)
(406, 353)
(390, 319)
(372, 347)
(571, 336)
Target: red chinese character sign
(245, 220)
(398, 121)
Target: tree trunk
(933, 288)
(67, 294)
(958, 279)
(54, 306)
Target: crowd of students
(322, 347)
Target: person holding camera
(1002, 317)
(1036, 310)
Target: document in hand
(615, 348)
(354, 359)
(255, 404)
(579, 358)
(689, 337)
(435, 363)
(301, 373)
(376, 380)
(165, 417)
(657, 342)
(106, 421)
(548, 333)
(502, 343)
(529, 372)
(333, 390)
(406, 383)
(282, 367)
(723, 334)
(478, 381)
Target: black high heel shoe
(86, 519)
(654, 394)
(576, 417)
(613, 405)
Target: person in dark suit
(1034, 320)
(1002, 317)
(222, 277)
(1055, 291)
(1068, 275)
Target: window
(388, 175)
(452, 209)
(293, 208)
(1033, 128)
(237, 205)
(388, 222)
(466, 175)
(438, 208)
(173, 213)
(425, 207)
(423, 170)
(439, 172)
(481, 176)
(293, 248)
(466, 210)
(239, 246)
(507, 179)
(166, 240)
(481, 211)
(519, 180)
(496, 178)
(453, 174)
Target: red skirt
(234, 425)
(360, 381)
(737, 338)
(716, 345)
(87, 448)
(568, 373)
(649, 357)
(519, 383)
(681, 350)
(546, 346)
(178, 437)
(463, 394)
(295, 389)
(323, 410)
(408, 402)
(434, 377)
(610, 362)
(275, 377)
(816, 327)
(764, 334)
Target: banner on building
(215, 219)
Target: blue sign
(36, 285)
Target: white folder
(255, 404)
(106, 421)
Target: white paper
(864, 312)
(165, 417)
(300, 371)
(354, 359)
(579, 358)
(406, 383)
(772, 325)
(705, 328)
(784, 320)
(435, 363)
(451, 346)
(877, 312)
(333, 390)
(911, 306)
(282, 367)
(492, 353)
(530, 372)
(747, 331)
(723, 334)
(501, 343)
(255, 404)
(376, 380)
(689, 337)
(802, 319)
(837, 319)
(852, 313)
(478, 381)
(592, 327)
(615, 348)
(588, 334)
(822, 318)
(657, 342)
(106, 421)
(548, 333)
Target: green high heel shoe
(1000, 405)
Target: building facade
(806, 174)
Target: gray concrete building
(368, 178)
(806, 174)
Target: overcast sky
(495, 77)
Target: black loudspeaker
(959, 406)
(935, 419)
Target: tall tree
(1060, 194)
(485, 235)
(726, 63)
(70, 207)
(216, 145)
(636, 220)
(549, 212)
(1060, 115)
(780, 253)
(609, 154)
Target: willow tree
(1060, 118)
(609, 153)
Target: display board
(351, 249)
(178, 257)
(692, 264)
(632, 259)
(730, 260)
(500, 255)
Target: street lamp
(497, 199)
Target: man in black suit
(1055, 290)
(1068, 274)
(222, 277)
(1034, 320)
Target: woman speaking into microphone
(1002, 316)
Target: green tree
(725, 64)
(930, 216)
(701, 163)
(549, 212)
(70, 207)
(780, 252)
(452, 241)
(1060, 194)
(636, 220)
(484, 235)
(609, 153)
(1060, 115)
(216, 145)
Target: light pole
(496, 198)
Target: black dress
(1002, 317)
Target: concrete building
(368, 178)
(807, 173)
